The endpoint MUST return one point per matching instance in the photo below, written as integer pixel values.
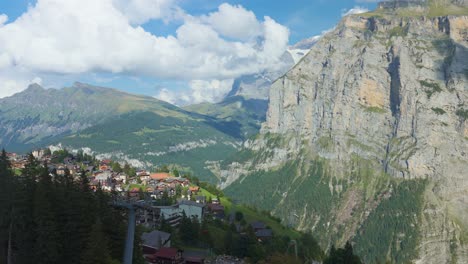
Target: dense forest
(47, 219)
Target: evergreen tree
(97, 249)
(24, 228)
(46, 247)
(6, 204)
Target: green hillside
(149, 137)
(248, 113)
(111, 122)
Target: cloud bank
(86, 36)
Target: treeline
(47, 219)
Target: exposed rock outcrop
(391, 91)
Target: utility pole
(128, 251)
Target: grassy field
(251, 215)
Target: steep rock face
(380, 105)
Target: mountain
(247, 101)
(366, 138)
(110, 123)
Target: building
(155, 240)
(160, 176)
(192, 209)
(166, 255)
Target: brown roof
(167, 253)
(160, 176)
(194, 188)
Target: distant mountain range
(108, 122)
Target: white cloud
(139, 12)
(353, 11)
(200, 91)
(82, 36)
(234, 22)
(3, 19)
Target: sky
(184, 51)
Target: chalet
(142, 173)
(258, 225)
(166, 256)
(216, 210)
(38, 153)
(60, 170)
(264, 234)
(103, 176)
(194, 189)
(121, 177)
(104, 167)
(155, 240)
(160, 176)
(144, 178)
(182, 181)
(89, 169)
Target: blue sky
(189, 49)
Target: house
(103, 176)
(89, 169)
(166, 255)
(194, 189)
(182, 181)
(258, 225)
(160, 176)
(144, 178)
(104, 167)
(170, 213)
(122, 177)
(155, 240)
(194, 257)
(216, 210)
(215, 201)
(192, 209)
(38, 153)
(264, 234)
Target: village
(166, 200)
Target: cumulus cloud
(234, 22)
(3, 19)
(85, 36)
(140, 11)
(200, 91)
(353, 11)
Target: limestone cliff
(373, 122)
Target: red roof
(160, 176)
(167, 253)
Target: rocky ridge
(379, 102)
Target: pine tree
(97, 249)
(6, 204)
(47, 244)
(24, 228)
